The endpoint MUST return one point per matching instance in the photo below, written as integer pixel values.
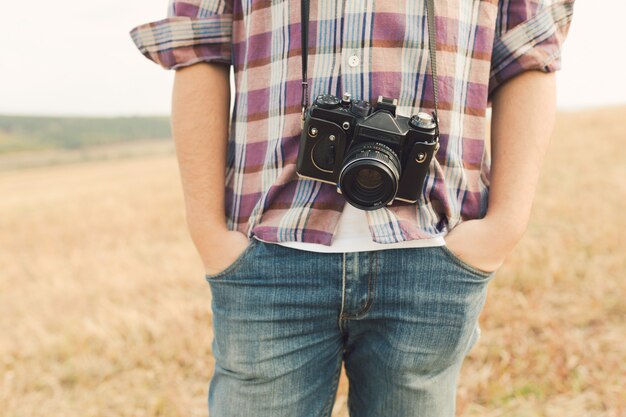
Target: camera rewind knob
(326, 101)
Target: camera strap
(432, 46)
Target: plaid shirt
(369, 48)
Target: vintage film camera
(371, 154)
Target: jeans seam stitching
(343, 290)
(371, 283)
(370, 298)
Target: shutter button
(354, 61)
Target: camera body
(371, 154)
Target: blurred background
(104, 310)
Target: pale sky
(71, 57)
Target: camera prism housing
(371, 154)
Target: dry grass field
(104, 310)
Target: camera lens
(369, 179)
(370, 175)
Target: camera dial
(326, 101)
(360, 108)
(421, 121)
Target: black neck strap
(432, 46)
(304, 23)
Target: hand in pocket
(219, 250)
(481, 244)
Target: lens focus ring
(375, 150)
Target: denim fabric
(284, 320)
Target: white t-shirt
(353, 235)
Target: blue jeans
(284, 319)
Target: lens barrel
(370, 175)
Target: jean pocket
(237, 263)
(464, 265)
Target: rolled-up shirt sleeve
(529, 35)
(194, 31)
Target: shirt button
(354, 61)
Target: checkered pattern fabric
(368, 48)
